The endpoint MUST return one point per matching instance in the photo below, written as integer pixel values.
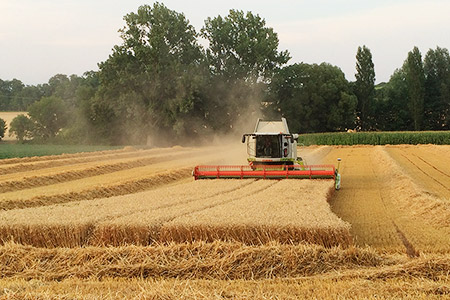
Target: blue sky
(40, 38)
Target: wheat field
(133, 223)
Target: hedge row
(376, 138)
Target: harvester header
(266, 172)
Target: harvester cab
(272, 154)
(271, 143)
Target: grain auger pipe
(337, 179)
(272, 154)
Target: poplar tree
(436, 67)
(364, 85)
(415, 80)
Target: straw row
(63, 156)
(103, 191)
(216, 260)
(43, 180)
(62, 160)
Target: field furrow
(154, 180)
(423, 219)
(398, 286)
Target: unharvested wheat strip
(143, 228)
(106, 185)
(216, 260)
(291, 211)
(63, 162)
(64, 174)
(72, 224)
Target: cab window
(268, 146)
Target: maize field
(377, 138)
(133, 223)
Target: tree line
(160, 84)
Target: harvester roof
(273, 127)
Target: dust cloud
(243, 106)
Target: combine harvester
(272, 152)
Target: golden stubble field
(133, 224)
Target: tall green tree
(391, 104)
(8, 89)
(49, 115)
(25, 97)
(415, 80)
(365, 86)
(22, 127)
(314, 98)
(437, 89)
(151, 81)
(242, 56)
(241, 46)
(65, 87)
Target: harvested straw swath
(25, 181)
(324, 287)
(62, 156)
(67, 163)
(217, 260)
(61, 194)
(107, 185)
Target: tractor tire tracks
(426, 174)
